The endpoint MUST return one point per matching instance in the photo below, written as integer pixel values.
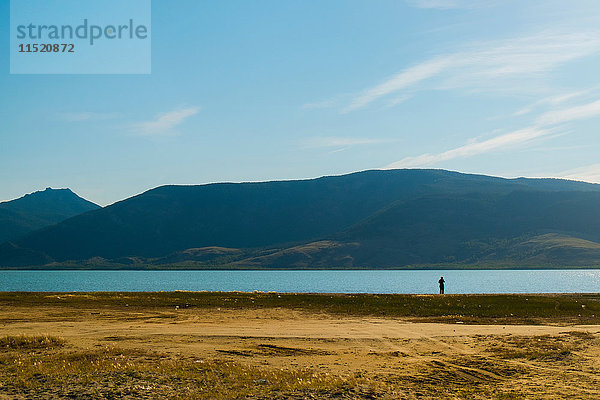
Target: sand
(395, 357)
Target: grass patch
(118, 373)
(23, 342)
(542, 348)
(490, 308)
(273, 350)
(581, 335)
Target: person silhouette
(441, 282)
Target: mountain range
(370, 219)
(38, 210)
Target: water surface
(457, 281)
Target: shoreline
(255, 345)
(519, 308)
(228, 268)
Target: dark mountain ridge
(370, 219)
(39, 209)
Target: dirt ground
(378, 357)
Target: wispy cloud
(569, 114)
(588, 173)
(333, 141)
(164, 123)
(544, 125)
(404, 79)
(398, 100)
(493, 65)
(555, 100)
(470, 149)
(86, 116)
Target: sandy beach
(345, 356)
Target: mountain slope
(519, 229)
(470, 228)
(172, 218)
(376, 219)
(40, 209)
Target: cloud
(397, 100)
(563, 97)
(86, 116)
(552, 101)
(404, 79)
(569, 114)
(473, 148)
(331, 141)
(588, 173)
(544, 125)
(489, 66)
(164, 123)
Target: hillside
(38, 210)
(519, 229)
(371, 219)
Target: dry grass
(543, 347)
(118, 373)
(487, 309)
(29, 342)
(501, 368)
(257, 346)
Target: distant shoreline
(519, 308)
(409, 268)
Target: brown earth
(336, 356)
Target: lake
(457, 281)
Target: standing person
(441, 282)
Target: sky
(288, 89)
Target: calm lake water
(457, 281)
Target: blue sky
(262, 90)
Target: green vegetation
(500, 308)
